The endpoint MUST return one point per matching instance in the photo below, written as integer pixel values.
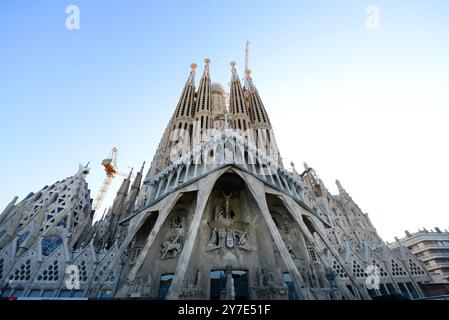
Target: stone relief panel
(226, 230)
(288, 234)
(171, 247)
(268, 286)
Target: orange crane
(110, 167)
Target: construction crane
(110, 167)
(247, 73)
(247, 55)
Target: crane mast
(246, 55)
(110, 167)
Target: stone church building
(216, 216)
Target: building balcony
(439, 266)
(430, 247)
(434, 256)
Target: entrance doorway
(229, 285)
(164, 285)
(240, 278)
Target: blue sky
(367, 107)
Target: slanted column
(256, 156)
(254, 160)
(204, 190)
(168, 204)
(270, 173)
(150, 193)
(287, 188)
(216, 160)
(290, 185)
(294, 190)
(170, 177)
(205, 156)
(223, 149)
(163, 214)
(279, 180)
(195, 170)
(234, 149)
(159, 187)
(257, 190)
(133, 228)
(186, 176)
(242, 152)
(178, 173)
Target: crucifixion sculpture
(227, 198)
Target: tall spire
(263, 132)
(135, 188)
(186, 102)
(122, 192)
(182, 118)
(203, 102)
(116, 210)
(203, 110)
(259, 115)
(237, 105)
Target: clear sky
(368, 107)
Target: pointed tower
(116, 212)
(179, 129)
(62, 209)
(358, 219)
(133, 193)
(238, 109)
(260, 122)
(203, 108)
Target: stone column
(257, 190)
(204, 189)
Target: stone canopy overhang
(191, 185)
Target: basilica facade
(216, 216)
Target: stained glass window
(50, 244)
(22, 238)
